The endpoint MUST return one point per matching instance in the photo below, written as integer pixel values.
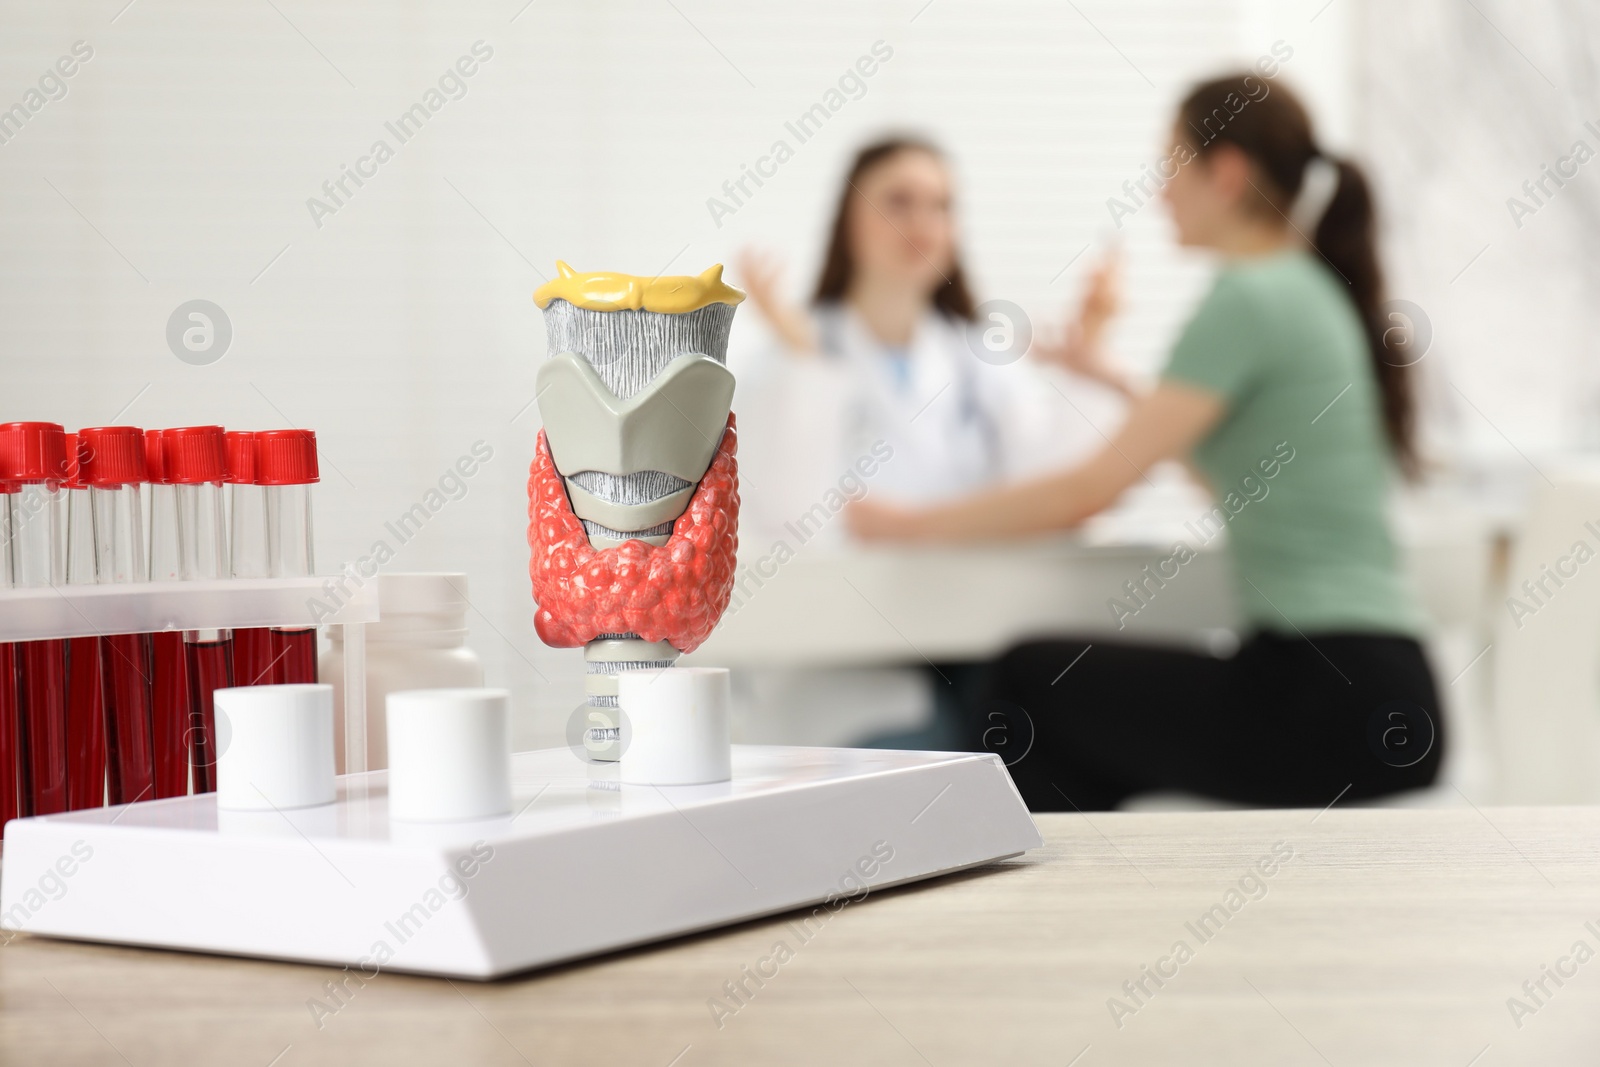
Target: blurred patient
(892, 317)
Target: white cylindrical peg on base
(676, 727)
(449, 754)
(274, 747)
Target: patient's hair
(838, 268)
(1273, 129)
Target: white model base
(584, 864)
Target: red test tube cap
(110, 456)
(73, 447)
(33, 452)
(240, 449)
(193, 455)
(155, 458)
(286, 457)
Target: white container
(419, 642)
(449, 754)
(274, 747)
(675, 726)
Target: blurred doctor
(892, 321)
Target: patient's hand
(1080, 345)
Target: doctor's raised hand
(761, 273)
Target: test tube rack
(64, 611)
(584, 864)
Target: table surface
(1389, 936)
(870, 605)
(828, 602)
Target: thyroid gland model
(633, 495)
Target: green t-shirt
(1299, 463)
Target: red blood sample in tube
(286, 464)
(86, 725)
(210, 668)
(130, 752)
(169, 674)
(295, 654)
(10, 712)
(113, 464)
(253, 656)
(86, 728)
(252, 647)
(44, 726)
(10, 736)
(196, 464)
(169, 712)
(33, 455)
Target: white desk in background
(895, 604)
(850, 605)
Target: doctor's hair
(838, 266)
(1272, 128)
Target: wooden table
(1390, 937)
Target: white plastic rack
(584, 863)
(222, 604)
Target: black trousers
(1288, 721)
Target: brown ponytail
(1347, 240)
(1269, 125)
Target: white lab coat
(953, 423)
(930, 402)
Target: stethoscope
(830, 335)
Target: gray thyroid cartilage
(673, 424)
(634, 405)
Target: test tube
(247, 530)
(10, 726)
(112, 463)
(169, 673)
(286, 465)
(86, 707)
(163, 540)
(33, 455)
(195, 465)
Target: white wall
(1461, 104)
(180, 162)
